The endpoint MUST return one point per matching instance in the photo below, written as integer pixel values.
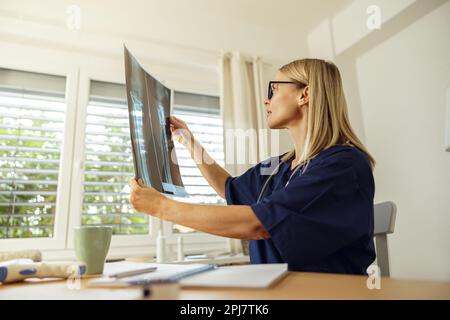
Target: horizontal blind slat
(29, 128)
(30, 117)
(31, 107)
(31, 149)
(27, 204)
(20, 170)
(35, 182)
(30, 193)
(18, 159)
(27, 138)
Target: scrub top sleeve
(230, 193)
(242, 190)
(317, 214)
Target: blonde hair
(328, 122)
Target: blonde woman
(315, 212)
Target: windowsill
(141, 253)
(227, 259)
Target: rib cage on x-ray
(149, 104)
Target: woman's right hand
(213, 173)
(180, 131)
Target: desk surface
(296, 285)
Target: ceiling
(276, 30)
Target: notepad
(247, 276)
(163, 273)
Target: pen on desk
(131, 273)
(114, 260)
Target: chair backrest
(384, 215)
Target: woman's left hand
(145, 199)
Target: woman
(316, 211)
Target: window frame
(86, 76)
(115, 76)
(79, 69)
(58, 67)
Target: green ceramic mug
(91, 246)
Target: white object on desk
(160, 247)
(234, 246)
(34, 255)
(165, 273)
(21, 269)
(180, 251)
(131, 273)
(248, 276)
(218, 259)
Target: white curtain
(242, 104)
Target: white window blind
(108, 164)
(108, 161)
(208, 130)
(32, 110)
(202, 115)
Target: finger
(175, 120)
(178, 138)
(133, 183)
(141, 183)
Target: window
(32, 110)
(202, 115)
(38, 157)
(108, 164)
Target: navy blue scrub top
(322, 221)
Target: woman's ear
(304, 96)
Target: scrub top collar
(321, 155)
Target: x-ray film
(149, 107)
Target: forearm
(237, 222)
(210, 169)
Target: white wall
(403, 84)
(396, 80)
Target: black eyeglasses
(270, 89)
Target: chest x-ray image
(149, 107)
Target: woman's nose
(266, 102)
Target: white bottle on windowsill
(180, 251)
(161, 247)
(233, 246)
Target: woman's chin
(272, 124)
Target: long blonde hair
(328, 122)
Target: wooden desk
(296, 285)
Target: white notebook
(246, 276)
(195, 275)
